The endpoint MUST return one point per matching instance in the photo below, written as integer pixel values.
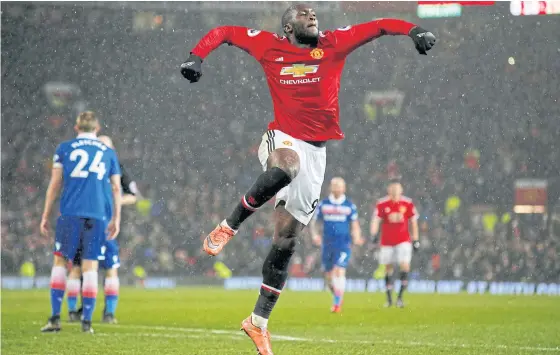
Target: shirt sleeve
(58, 157)
(115, 166)
(412, 212)
(354, 213)
(349, 38)
(252, 41)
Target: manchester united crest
(317, 53)
(402, 209)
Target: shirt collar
(337, 201)
(87, 136)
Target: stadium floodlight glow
(529, 8)
(438, 11)
(528, 209)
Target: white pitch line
(238, 335)
(211, 331)
(160, 335)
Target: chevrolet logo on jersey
(299, 70)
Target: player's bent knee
(75, 272)
(89, 265)
(389, 269)
(338, 271)
(285, 159)
(112, 272)
(404, 267)
(59, 261)
(285, 238)
(287, 243)
(287, 228)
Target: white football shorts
(400, 254)
(302, 195)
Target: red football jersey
(395, 216)
(304, 82)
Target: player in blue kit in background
(110, 261)
(341, 228)
(85, 169)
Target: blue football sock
(112, 285)
(89, 294)
(336, 300)
(339, 283)
(56, 301)
(73, 288)
(111, 304)
(89, 306)
(58, 286)
(72, 304)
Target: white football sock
(259, 321)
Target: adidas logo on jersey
(279, 59)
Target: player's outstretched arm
(252, 41)
(53, 191)
(351, 37)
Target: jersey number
(313, 207)
(96, 166)
(342, 257)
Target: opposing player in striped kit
(341, 228)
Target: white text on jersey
(300, 81)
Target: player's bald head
(290, 19)
(338, 186)
(291, 12)
(289, 16)
(107, 141)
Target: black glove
(192, 68)
(423, 40)
(375, 239)
(416, 245)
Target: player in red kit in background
(395, 211)
(303, 70)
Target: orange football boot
(217, 239)
(336, 309)
(259, 336)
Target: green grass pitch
(206, 321)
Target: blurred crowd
(469, 124)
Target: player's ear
(288, 28)
(76, 128)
